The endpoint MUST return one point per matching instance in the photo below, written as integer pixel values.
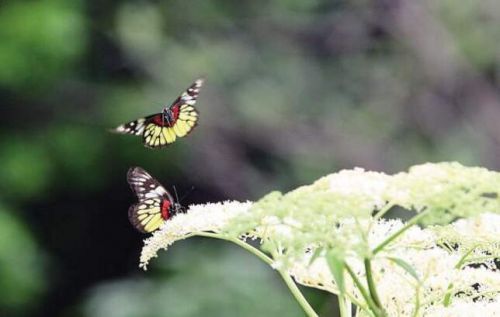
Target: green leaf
(405, 266)
(337, 267)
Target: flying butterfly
(175, 121)
(156, 205)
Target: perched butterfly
(176, 120)
(155, 205)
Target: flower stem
(463, 259)
(371, 283)
(371, 304)
(344, 306)
(447, 295)
(297, 294)
(391, 238)
(383, 211)
(261, 255)
(349, 297)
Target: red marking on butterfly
(159, 120)
(165, 209)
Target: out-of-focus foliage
(40, 40)
(25, 168)
(22, 266)
(294, 90)
(468, 39)
(224, 282)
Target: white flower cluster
(358, 182)
(211, 217)
(471, 288)
(447, 269)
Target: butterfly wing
(190, 95)
(177, 120)
(135, 127)
(157, 133)
(146, 215)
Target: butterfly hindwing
(154, 201)
(157, 135)
(146, 215)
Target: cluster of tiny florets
(211, 217)
(444, 269)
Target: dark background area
(295, 90)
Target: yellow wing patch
(146, 215)
(188, 118)
(153, 223)
(157, 136)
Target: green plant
(332, 235)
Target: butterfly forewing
(146, 215)
(144, 185)
(189, 96)
(135, 127)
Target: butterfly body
(156, 205)
(176, 120)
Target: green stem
(391, 238)
(342, 306)
(383, 211)
(458, 266)
(462, 260)
(417, 300)
(261, 255)
(447, 301)
(286, 277)
(358, 304)
(373, 307)
(371, 283)
(347, 295)
(348, 306)
(447, 296)
(478, 259)
(297, 294)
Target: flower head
(431, 271)
(211, 217)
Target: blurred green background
(295, 90)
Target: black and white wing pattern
(135, 127)
(154, 206)
(144, 185)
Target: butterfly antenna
(176, 196)
(186, 194)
